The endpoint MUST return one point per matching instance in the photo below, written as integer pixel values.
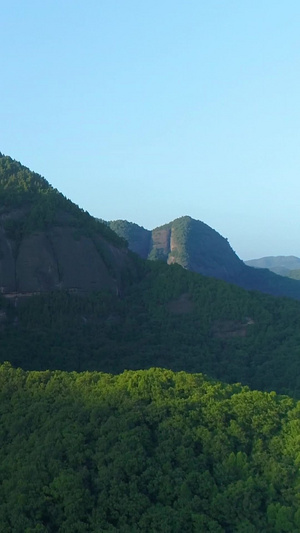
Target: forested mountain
(48, 243)
(280, 264)
(197, 247)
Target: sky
(150, 110)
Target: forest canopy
(145, 451)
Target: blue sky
(150, 110)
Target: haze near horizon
(151, 111)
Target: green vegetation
(31, 204)
(149, 451)
(138, 237)
(171, 318)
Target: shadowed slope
(49, 243)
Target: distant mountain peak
(197, 247)
(186, 241)
(284, 265)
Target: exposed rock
(55, 259)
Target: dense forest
(149, 451)
(171, 318)
(38, 205)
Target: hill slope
(171, 318)
(199, 248)
(48, 243)
(145, 451)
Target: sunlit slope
(145, 451)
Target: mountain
(280, 264)
(49, 243)
(199, 248)
(188, 242)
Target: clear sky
(148, 110)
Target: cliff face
(61, 258)
(47, 243)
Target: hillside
(294, 274)
(49, 243)
(140, 239)
(199, 248)
(170, 318)
(148, 451)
